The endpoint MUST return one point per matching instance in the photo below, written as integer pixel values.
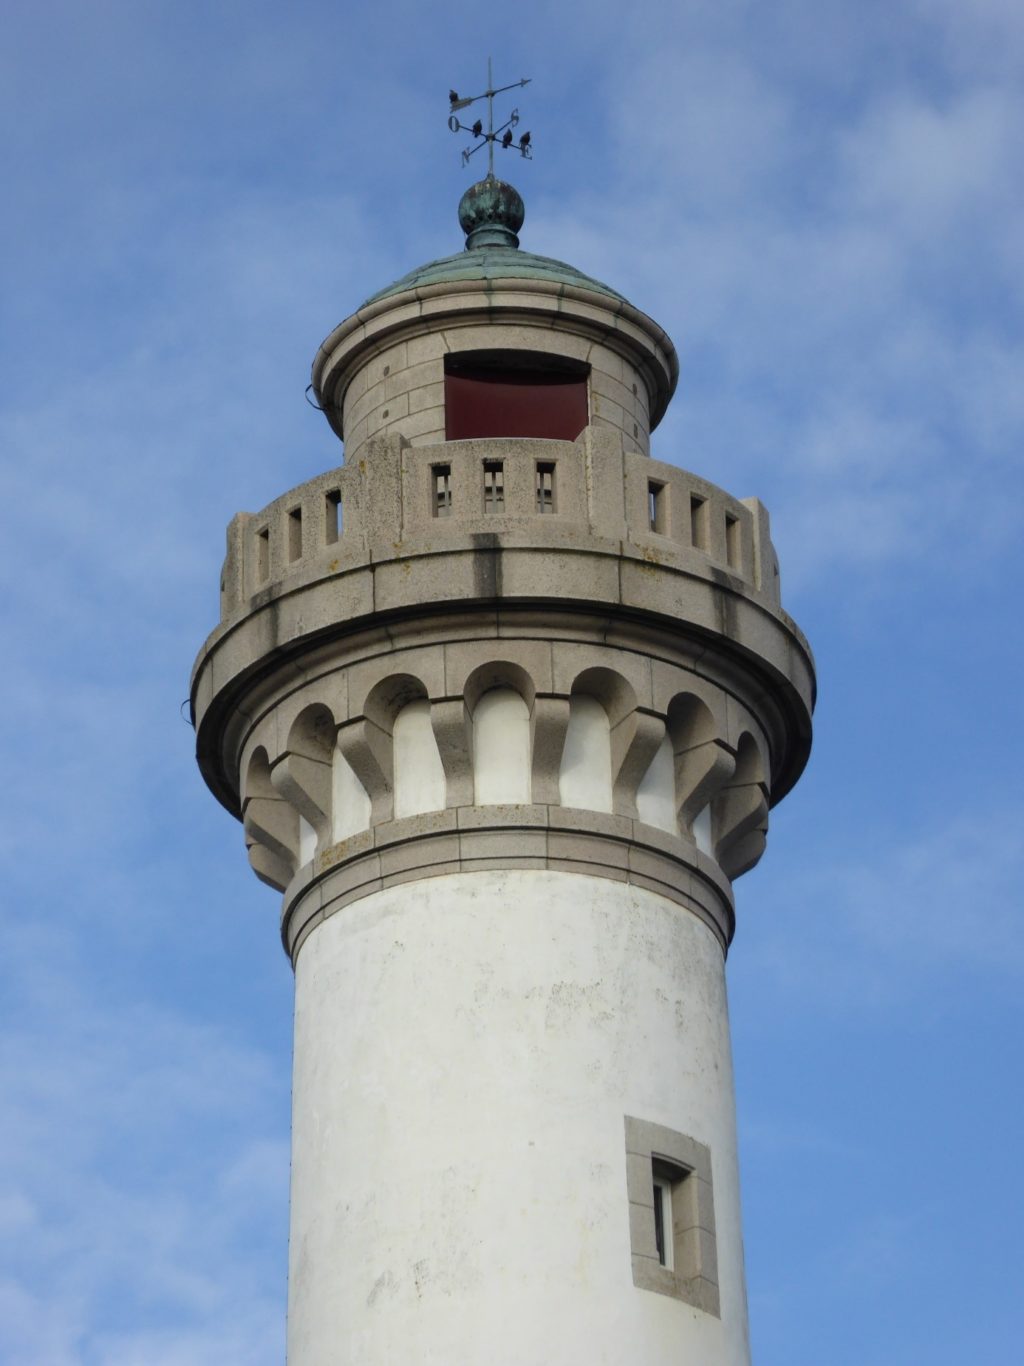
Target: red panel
(489, 402)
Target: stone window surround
(694, 1275)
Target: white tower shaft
(466, 1051)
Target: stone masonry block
(465, 658)
(424, 825)
(641, 1230)
(426, 396)
(427, 347)
(503, 844)
(420, 853)
(403, 379)
(579, 847)
(424, 664)
(502, 817)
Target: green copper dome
(491, 214)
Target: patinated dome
(491, 213)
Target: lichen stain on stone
(421, 1275)
(567, 1001)
(383, 1285)
(327, 858)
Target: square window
(671, 1215)
(441, 475)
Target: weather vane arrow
(503, 135)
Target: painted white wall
(702, 831)
(307, 842)
(419, 773)
(466, 1048)
(585, 779)
(350, 805)
(501, 748)
(656, 794)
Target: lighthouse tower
(502, 704)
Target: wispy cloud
(113, 1212)
(901, 921)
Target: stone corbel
(549, 724)
(268, 867)
(635, 741)
(701, 773)
(740, 820)
(271, 834)
(453, 732)
(368, 751)
(304, 780)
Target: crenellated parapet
(401, 501)
(502, 653)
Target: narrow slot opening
(732, 540)
(294, 535)
(494, 486)
(667, 1181)
(662, 1197)
(545, 486)
(441, 476)
(263, 554)
(657, 507)
(698, 522)
(332, 516)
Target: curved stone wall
(382, 370)
(657, 698)
(384, 507)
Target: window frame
(658, 1158)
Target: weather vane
(503, 136)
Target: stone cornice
(532, 303)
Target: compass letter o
(453, 123)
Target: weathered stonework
(399, 593)
(382, 369)
(465, 693)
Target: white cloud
(905, 921)
(140, 1150)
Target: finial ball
(491, 213)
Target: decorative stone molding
(648, 592)
(321, 723)
(475, 838)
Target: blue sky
(822, 204)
